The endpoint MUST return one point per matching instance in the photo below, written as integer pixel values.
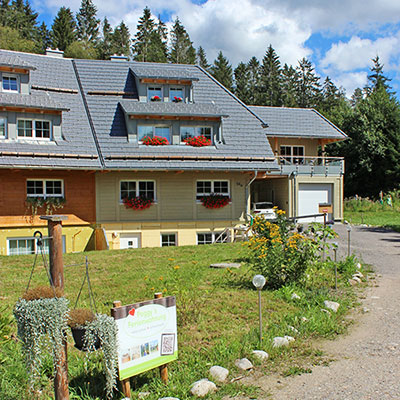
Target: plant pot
(79, 338)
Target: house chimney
(116, 57)
(54, 53)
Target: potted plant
(41, 316)
(97, 331)
(137, 202)
(213, 201)
(155, 141)
(51, 204)
(155, 98)
(197, 141)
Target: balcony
(312, 166)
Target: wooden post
(163, 368)
(126, 383)
(57, 275)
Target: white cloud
(351, 81)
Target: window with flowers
(132, 189)
(176, 94)
(189, 134)
(154, 93)
(151, 131)
(213, 193)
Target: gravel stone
(203, 387)
(218, 373)
(260, 354)
(244, 364)
(331, 305)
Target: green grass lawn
(217, 316)
(385, 218)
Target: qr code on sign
(167, 344)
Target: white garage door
(310, 196)
(129, 241)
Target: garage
(310, 196)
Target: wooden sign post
(163, 368)
(54, 222)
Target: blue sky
(340, 37)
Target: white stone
(203, 387)
(290, 338)
(295, 296)
(353, 282)
(358, 266)
(331, 305)
(358, 274)
(226, 265)
(357, 279)
(293, 329)
(244, 364)
(280, 341)
(218, 373)
(325, 311)
(260, 354)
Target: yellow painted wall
(310, 145)
(76, 237)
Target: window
(153, 92)
(151, 131)
(212, 237)
(33, 129)
(3, 127)
(292, 154)
(175, 94)
(168, 239)
(130, 189)
(205, 188)
(28, 245)
(10, 83)
(193, 131)
(44, 188)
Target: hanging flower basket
(178, 99)
(49, 204)
(155, 141)
(77, 321)
(156, 98)
(215, 201)
(197, 141)
(137, 203)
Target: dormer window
(154, 93)
(10, 83)
(3, 127)
(194, 131)
(154, 130)
(176, 94)
(34, 129)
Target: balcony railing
(313, 165)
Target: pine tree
(270, 79)
(307, 85)
(182, 50)
(122, 40)
(222, 71)
(88, 24)
(158, 50)
(4, 12)
(356, 97)
(242, 82)
(376, 78)
(20, 16)
(63, 30)
(289, 84)
(144, 36)
(44, 38)
(105, 45)
(253, 67)
(201, 59)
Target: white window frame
(36, 250)
(137, 181)
(292, 157)
(33, 137)
(195, 129)
(154, 131)
(155, 86)
(175, 88)
(169, 234)
(9, 90)
(212, 187)
(45, 195)
(214, 236)
(5, 128)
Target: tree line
(371, 117)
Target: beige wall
(310, 145)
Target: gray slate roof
(8, 59)
(178, 109)
(163, 71)
(297, 122)
(35, 100)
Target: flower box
(215, 201)
(155, 98)
(197, 141)
(155, 141)
(137, 203)
(178, 99)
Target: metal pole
(259, 313)
(348, 243)
(335, 269)
(54, 223)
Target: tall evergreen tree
(222, 71)
(122, 40)
(106, 45)
(289, 86)
(242, 82)
(331, 98)
(308, 88)
(182, 50)
(20, 16)
(88, 24)
(158, 49)
(144, 36)
(376, 78)
(253, 67)
(44, 38)
(356, 97)
(63, 30)
(271, 90)
(201, 59)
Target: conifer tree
(158, 50)
(44, 38)
(122, 40)
(270, 79)
(222, 71)
(144, 36)
(307, 86)
(21, 17)
(63, 30)
(201, 59)
(182, 50)
(105, 45)
(253, 66)
(289, 85)
(242, 82)
(376, 78)
(88, 24)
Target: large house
(75, 139)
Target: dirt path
(367, 362)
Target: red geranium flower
(197, 141)
(215, 200)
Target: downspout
(294, 173)
(247, 193)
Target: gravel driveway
(367, 362)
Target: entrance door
(129, 241)
(310, 197)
